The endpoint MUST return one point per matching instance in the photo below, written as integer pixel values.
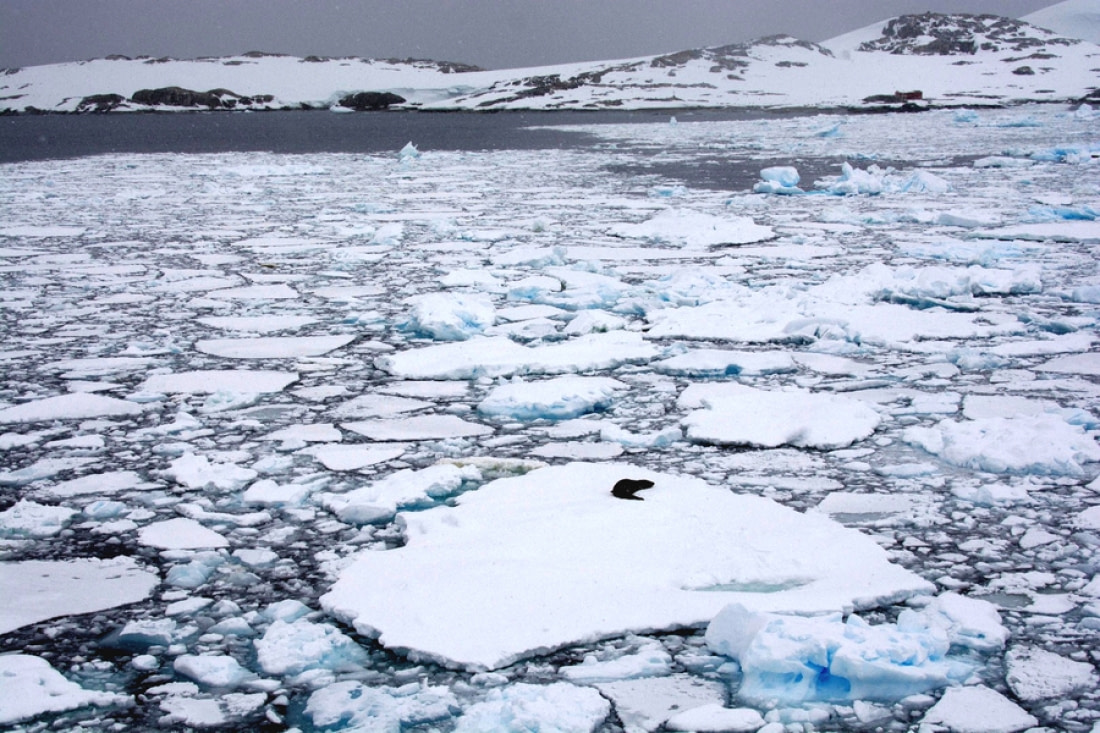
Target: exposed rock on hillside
(960, 34)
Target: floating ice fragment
(29, 520)
(197, 472)
(651, 660)
(294, 648)
(73, 406)
(49, 589)
(734, 414)
(450, 316)
(717, 718)
(1035, 674)
(409, 152)
(795, 659)
(355, 706)
(32, 687)
(180, 534)
(213, 381)
(1041, 444)
(502, 357)
(693, 229)
(213, 670)
(273, 347)
(424, 427)
(409, 488)
(559, 398)
(110, 482)
(779, 179)
(523, 707)
(978, 709)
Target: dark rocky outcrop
(180, 97)
(960, 34)
(100, 103)
(370, 101)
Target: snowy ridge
(951, 59)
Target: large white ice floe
(797, 659)
(558, 398)
(1039, 444)
(213, 381)
(73, 406)
(1036, 674)
(272, 347)
(694, 229)
(502, 357)
(32, 687)
(727, 413)
(551, 558)
(48, 589)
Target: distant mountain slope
(950, 59)
(1072, 18)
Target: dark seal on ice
(627, 487)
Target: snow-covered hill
(950, 59)
(1072, 18)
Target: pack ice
(330, 442)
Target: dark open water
(39, 137)
(32, 138)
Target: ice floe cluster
(332, 442)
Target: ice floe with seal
(491, 580)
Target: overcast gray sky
(489, 33)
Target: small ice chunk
(303, 646)
(1036, 674)
(409, 488)
(796, 659)
(559, 398)
(72, 406)
(51, 588)
(32, 687)
(352, 457)
(424, 427)
(978, 709)
(779, 179)
(197, 472)
(352, 705)
(450, 316)
(733, 414)
(213, 381)
(180, 533)
(523, 707)
(29, 520)
(649, 661)
(1042, 444)
(715, 718)
(213, 670)
(695, 229)
(273, 347)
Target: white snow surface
(779, 71)
(50, 588)
(32, 687)
(494, 578)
